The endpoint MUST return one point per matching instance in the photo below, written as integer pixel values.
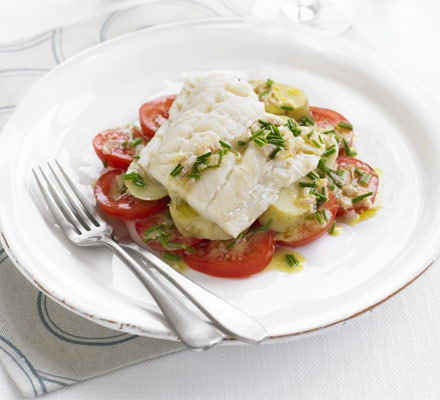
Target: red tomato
(324, 117)
(176, 241)
(113, 146)
(246, 257)
(108, 194)
(350, 164)
(153, 114)
(312, 229)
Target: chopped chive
(366, 178)
(135, 142)
(263, 123)
(291, 124)
(241, 143)
(104, 163)
(269, 82)
(177, 170)
(361, 197)
(260, 141)
(170, 256)
(315, 143)
(321, 164)
(309, 135)
(286, 107)
(332, 187)
(319, 217)
(291, 260)
(136, 157)
(307, 121)
(348, 151)
(329, 151)
(325, 214)
(332, 229)
(139, 183)
(263, 228)
(195, 176)
(307, 184)
(263, 94)
(320, 139)
(275, 151)
(123, 190)
(321, 197)
(204, 157)
(125, 143)
(257, 133)
(225, 145)
(359, 172)
(330, 131)
(345, 125)
(313, 175)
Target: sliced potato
(152, 190)
(281, 99)
(190, 223)
(293, 205)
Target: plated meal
(230, 176)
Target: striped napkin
(43, 346)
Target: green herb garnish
(329, 151)
(345, 125)
(347, 149)
(332, 229)
(307, 184)
(177, 170)
(366, 178)
(275, 151)
(291, 124)
(361, 197)
(269, 83)
(170, 256)
(135, 142)
(307, 121)
(291, 260)
(286, 107)
(135, 178)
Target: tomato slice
(117, 147)
(161, 225)
(324, 117)
(239, 259)
(110, 195)
(153, 114)
(353, 180)
(311, 229)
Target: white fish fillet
(219, 106)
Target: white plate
(105, 85)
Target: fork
(83, 226)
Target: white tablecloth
(391, 352)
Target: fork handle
(193, 331)
(224, 315)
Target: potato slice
(281, 99)
(189, 223)
(293, 205)
(152, 190)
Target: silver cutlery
(83, 226)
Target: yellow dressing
(337, 230)
(370, 213)
(279, 262)
(178, 265)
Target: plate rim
(127, 327)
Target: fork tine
(94, 216)
(61, 204)
(65, 226)
(72, 199)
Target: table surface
(390, 352)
